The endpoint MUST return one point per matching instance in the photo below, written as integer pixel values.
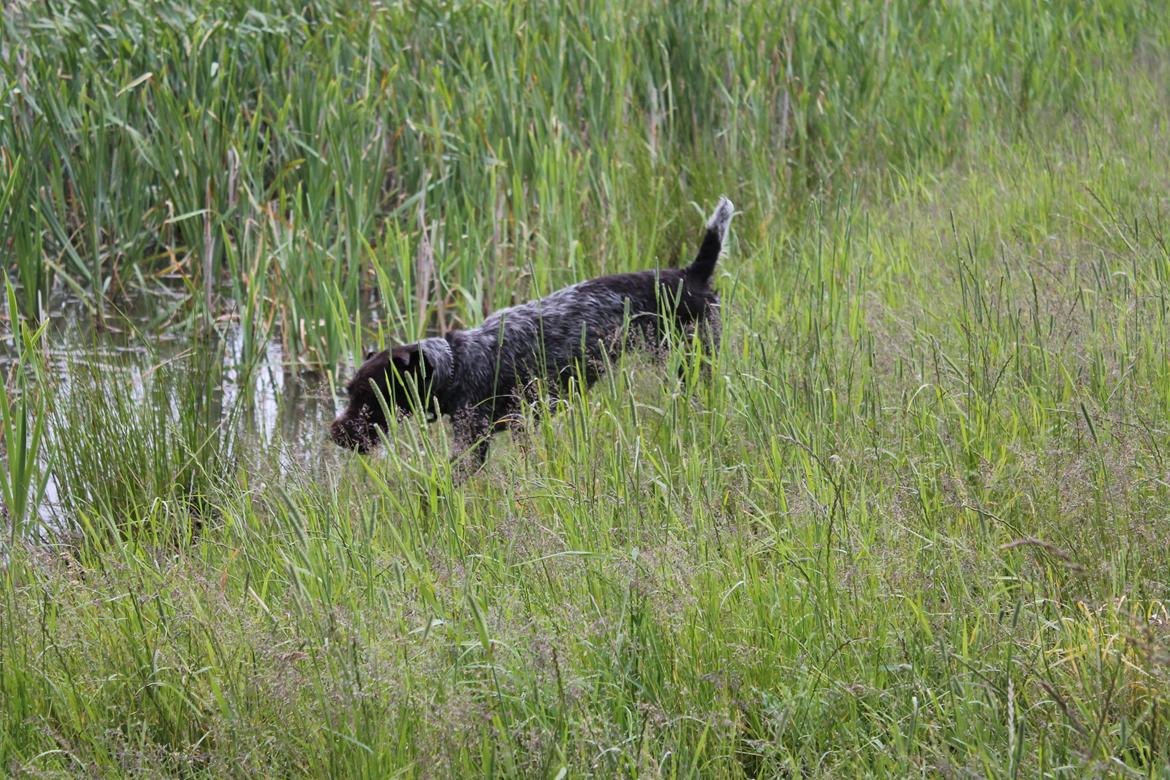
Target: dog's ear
(406, 359)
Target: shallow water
(282, 410)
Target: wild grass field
(918, 524)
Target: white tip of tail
(721, 217)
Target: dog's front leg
(710, 330)
(473, 431)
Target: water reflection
(281, 411)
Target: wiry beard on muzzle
(354, 432)
(345, 434)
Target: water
(283, 411)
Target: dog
(480, 376)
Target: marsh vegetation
(919, 524)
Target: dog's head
(397, 380)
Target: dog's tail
(704, 263)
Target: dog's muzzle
(346, 434)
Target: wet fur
(480, 376)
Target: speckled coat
(479, 376)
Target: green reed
(23, 413)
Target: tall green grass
(22, 409)
(136, 451)
(916, 526)
(23, 412)
(452, 156)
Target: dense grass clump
(918, 524)
(131, 445)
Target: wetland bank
(919, 524)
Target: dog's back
(577, 330)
